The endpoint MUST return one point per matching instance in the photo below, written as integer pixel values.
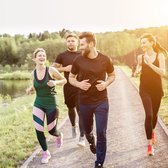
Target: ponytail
(159, 49)
(156, 46)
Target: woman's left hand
(51, 83)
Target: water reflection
(13, 88)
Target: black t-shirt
(66, 58)
(94, 70)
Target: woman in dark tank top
(150, 81)
(151, 64)
(44, 80)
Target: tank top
(150, 81)
(45, 95)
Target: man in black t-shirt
(92, 73)
(63, 63)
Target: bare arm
(55, 74)
(60, 68)
(159, 70)
(104, 84)
(84, 85)
(110, 78)
(31, 88)
(139, 65)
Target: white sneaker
(59, 140)
(45, 157)
(81, 142)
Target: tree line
(122, 46)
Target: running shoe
(81, 142)
(150, 150)
(45, 157)
(59, 140)
(99, 166)
(92, 145)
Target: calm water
(14, 88)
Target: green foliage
(116, 44)
(16, 75)
(19, 39)
(121, 46)
(6, 99)
(8, 51)
(7, 68)
(45, 35)
(52, 47)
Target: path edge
(33, 155)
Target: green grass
(17, 133)
(163, 111)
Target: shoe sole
(81, 145)
(151, 154)
(46, 161)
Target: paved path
(126, 136)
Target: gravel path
(125, 135)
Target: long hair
(156, 45)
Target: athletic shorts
(70, 95)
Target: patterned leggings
(52, 120)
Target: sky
(34, 16)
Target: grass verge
(17, 133)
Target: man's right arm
(72, 80)
(84, 84)
(60, 68)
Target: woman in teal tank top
(44, 80)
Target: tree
(8, 51)
(45, 35)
